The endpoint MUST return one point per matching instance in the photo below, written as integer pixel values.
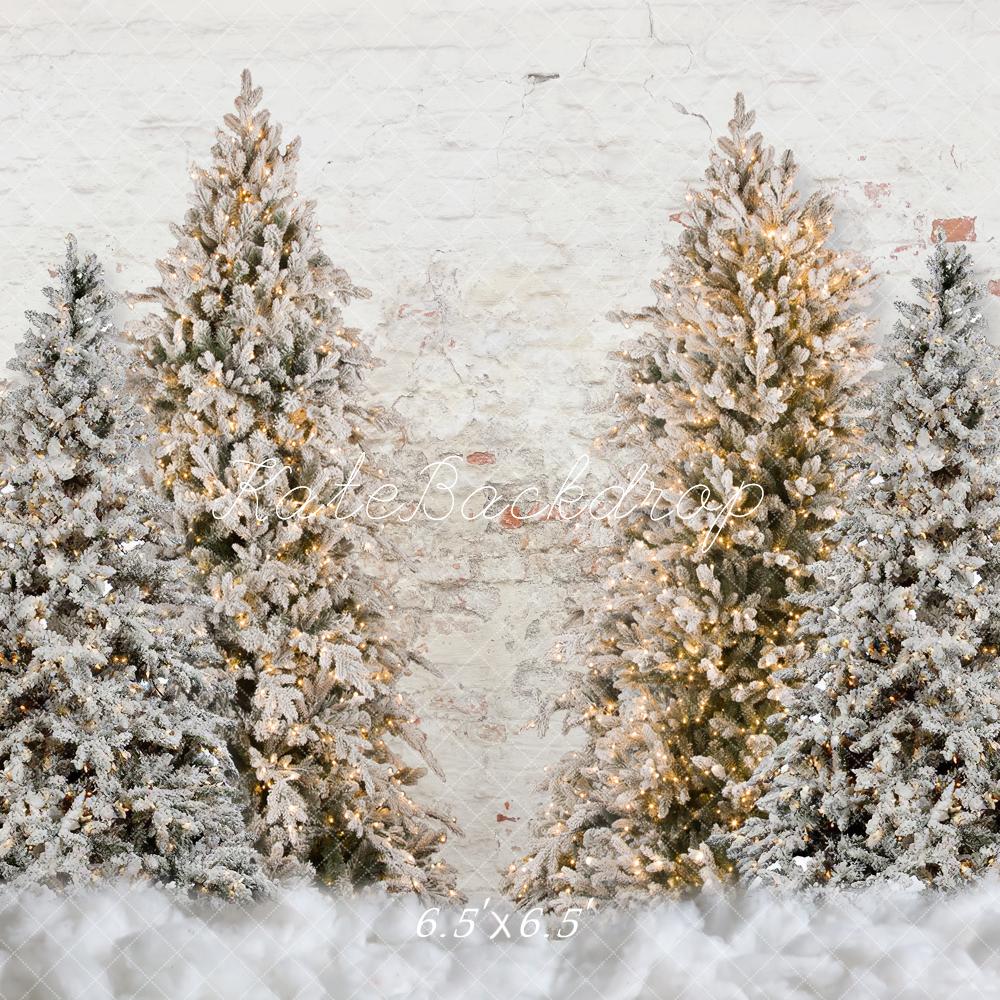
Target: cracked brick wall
(501, 175)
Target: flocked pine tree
(742, 379)
(255, 387)
(891, 764)
(110, 763)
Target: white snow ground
(305, 944)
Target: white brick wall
(497, 217)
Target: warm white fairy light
(675, 700)
(261, 369)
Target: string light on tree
(249, 363)
(743, 377)
(891, 762)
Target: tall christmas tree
(891, 765)
(110, 763)
(255, 387)
(742, 379)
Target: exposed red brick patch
(407, 310)
(536, 513)
(512, 517)
(481, 458)
(501, 818)
(993, 286)
(955, 230)
(875, 191)
(677, 217)
(552, 514)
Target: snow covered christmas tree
(110, 763)
(255, 385)
(891, 765)
(742, 379)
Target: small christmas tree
(742, 380)
(891, 765)
(110, 765)
(254, 381)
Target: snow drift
(303, 944)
